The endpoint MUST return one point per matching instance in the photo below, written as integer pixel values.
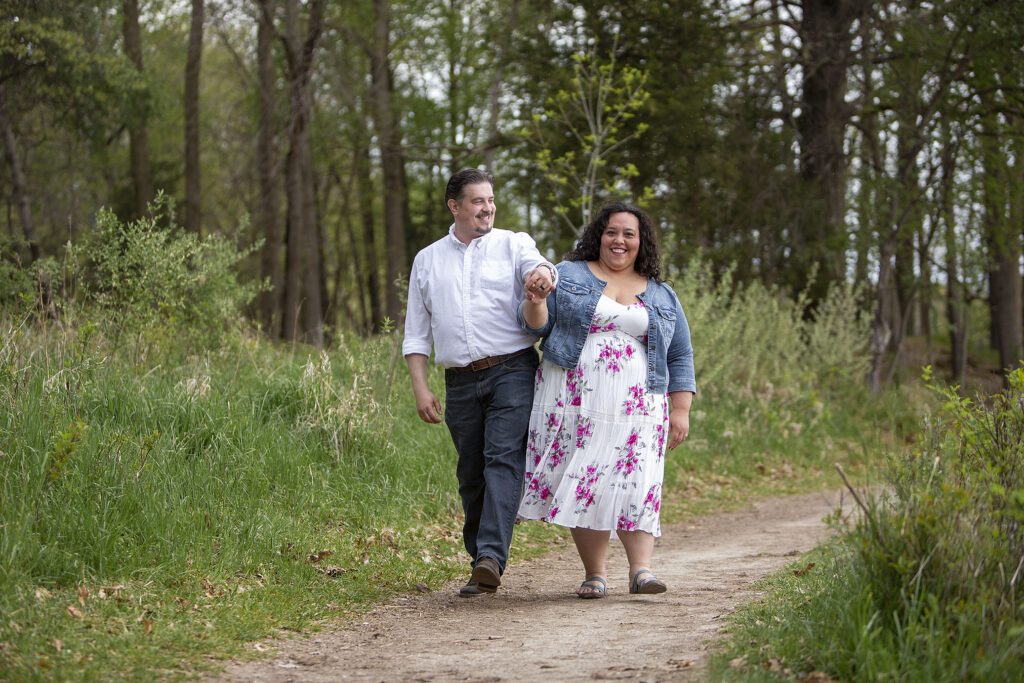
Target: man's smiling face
(474, 210)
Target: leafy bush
(927, 586)
(162, 288)
(756, 337)
(950, 536)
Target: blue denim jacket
(571, 310)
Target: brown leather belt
(488, 362)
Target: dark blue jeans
(488, 414)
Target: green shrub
(927, 586)
(756, 338)
(161, 289)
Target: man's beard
(484, 229)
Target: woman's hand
(538, 284)
(679, 418)
(679, 427)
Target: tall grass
(928, 584)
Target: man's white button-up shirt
(463, 298)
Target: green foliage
(770, 340)
(163, 289)
(22, 287)
(927, 585)
(48, 54)
(596, 114)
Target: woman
(616, 350)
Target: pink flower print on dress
(602, 323)
(625, 524)
(585, 487)
(584, 429)
(575, 385)
(531, 447)
(540, 377)
(610, 357)
(552, 421)
(660, 429)
(635, 402)
(552, 512)
(653, 499)
(630, 461)
(557, 453)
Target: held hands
(538, 284)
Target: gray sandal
(596, 591)
(648, 586)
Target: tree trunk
(302, 313)
(494, 92)
(956, 300)
(392, 160)
(138, 136)
(270, 223)
(195, 53)
(821, 236)
(1002, 239)
(371, 269)
(19, 187)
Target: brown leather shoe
(487, 574)
(473, 589)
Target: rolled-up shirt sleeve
(528, 257)
(418, 335)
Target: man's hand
(427, 405)
(538, 284)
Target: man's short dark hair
(458, 182)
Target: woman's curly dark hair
(588, 248)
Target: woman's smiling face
(620, 242)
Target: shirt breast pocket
(497, 275)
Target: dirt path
(535, 628)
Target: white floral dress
(594, 456)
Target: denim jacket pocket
(570, 296)
(666, 322)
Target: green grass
(925, 584)
(158, 519)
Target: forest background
(798, 144)
(211, 208)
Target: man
(464, 291)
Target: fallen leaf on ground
(74, 611)
(801, 572)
